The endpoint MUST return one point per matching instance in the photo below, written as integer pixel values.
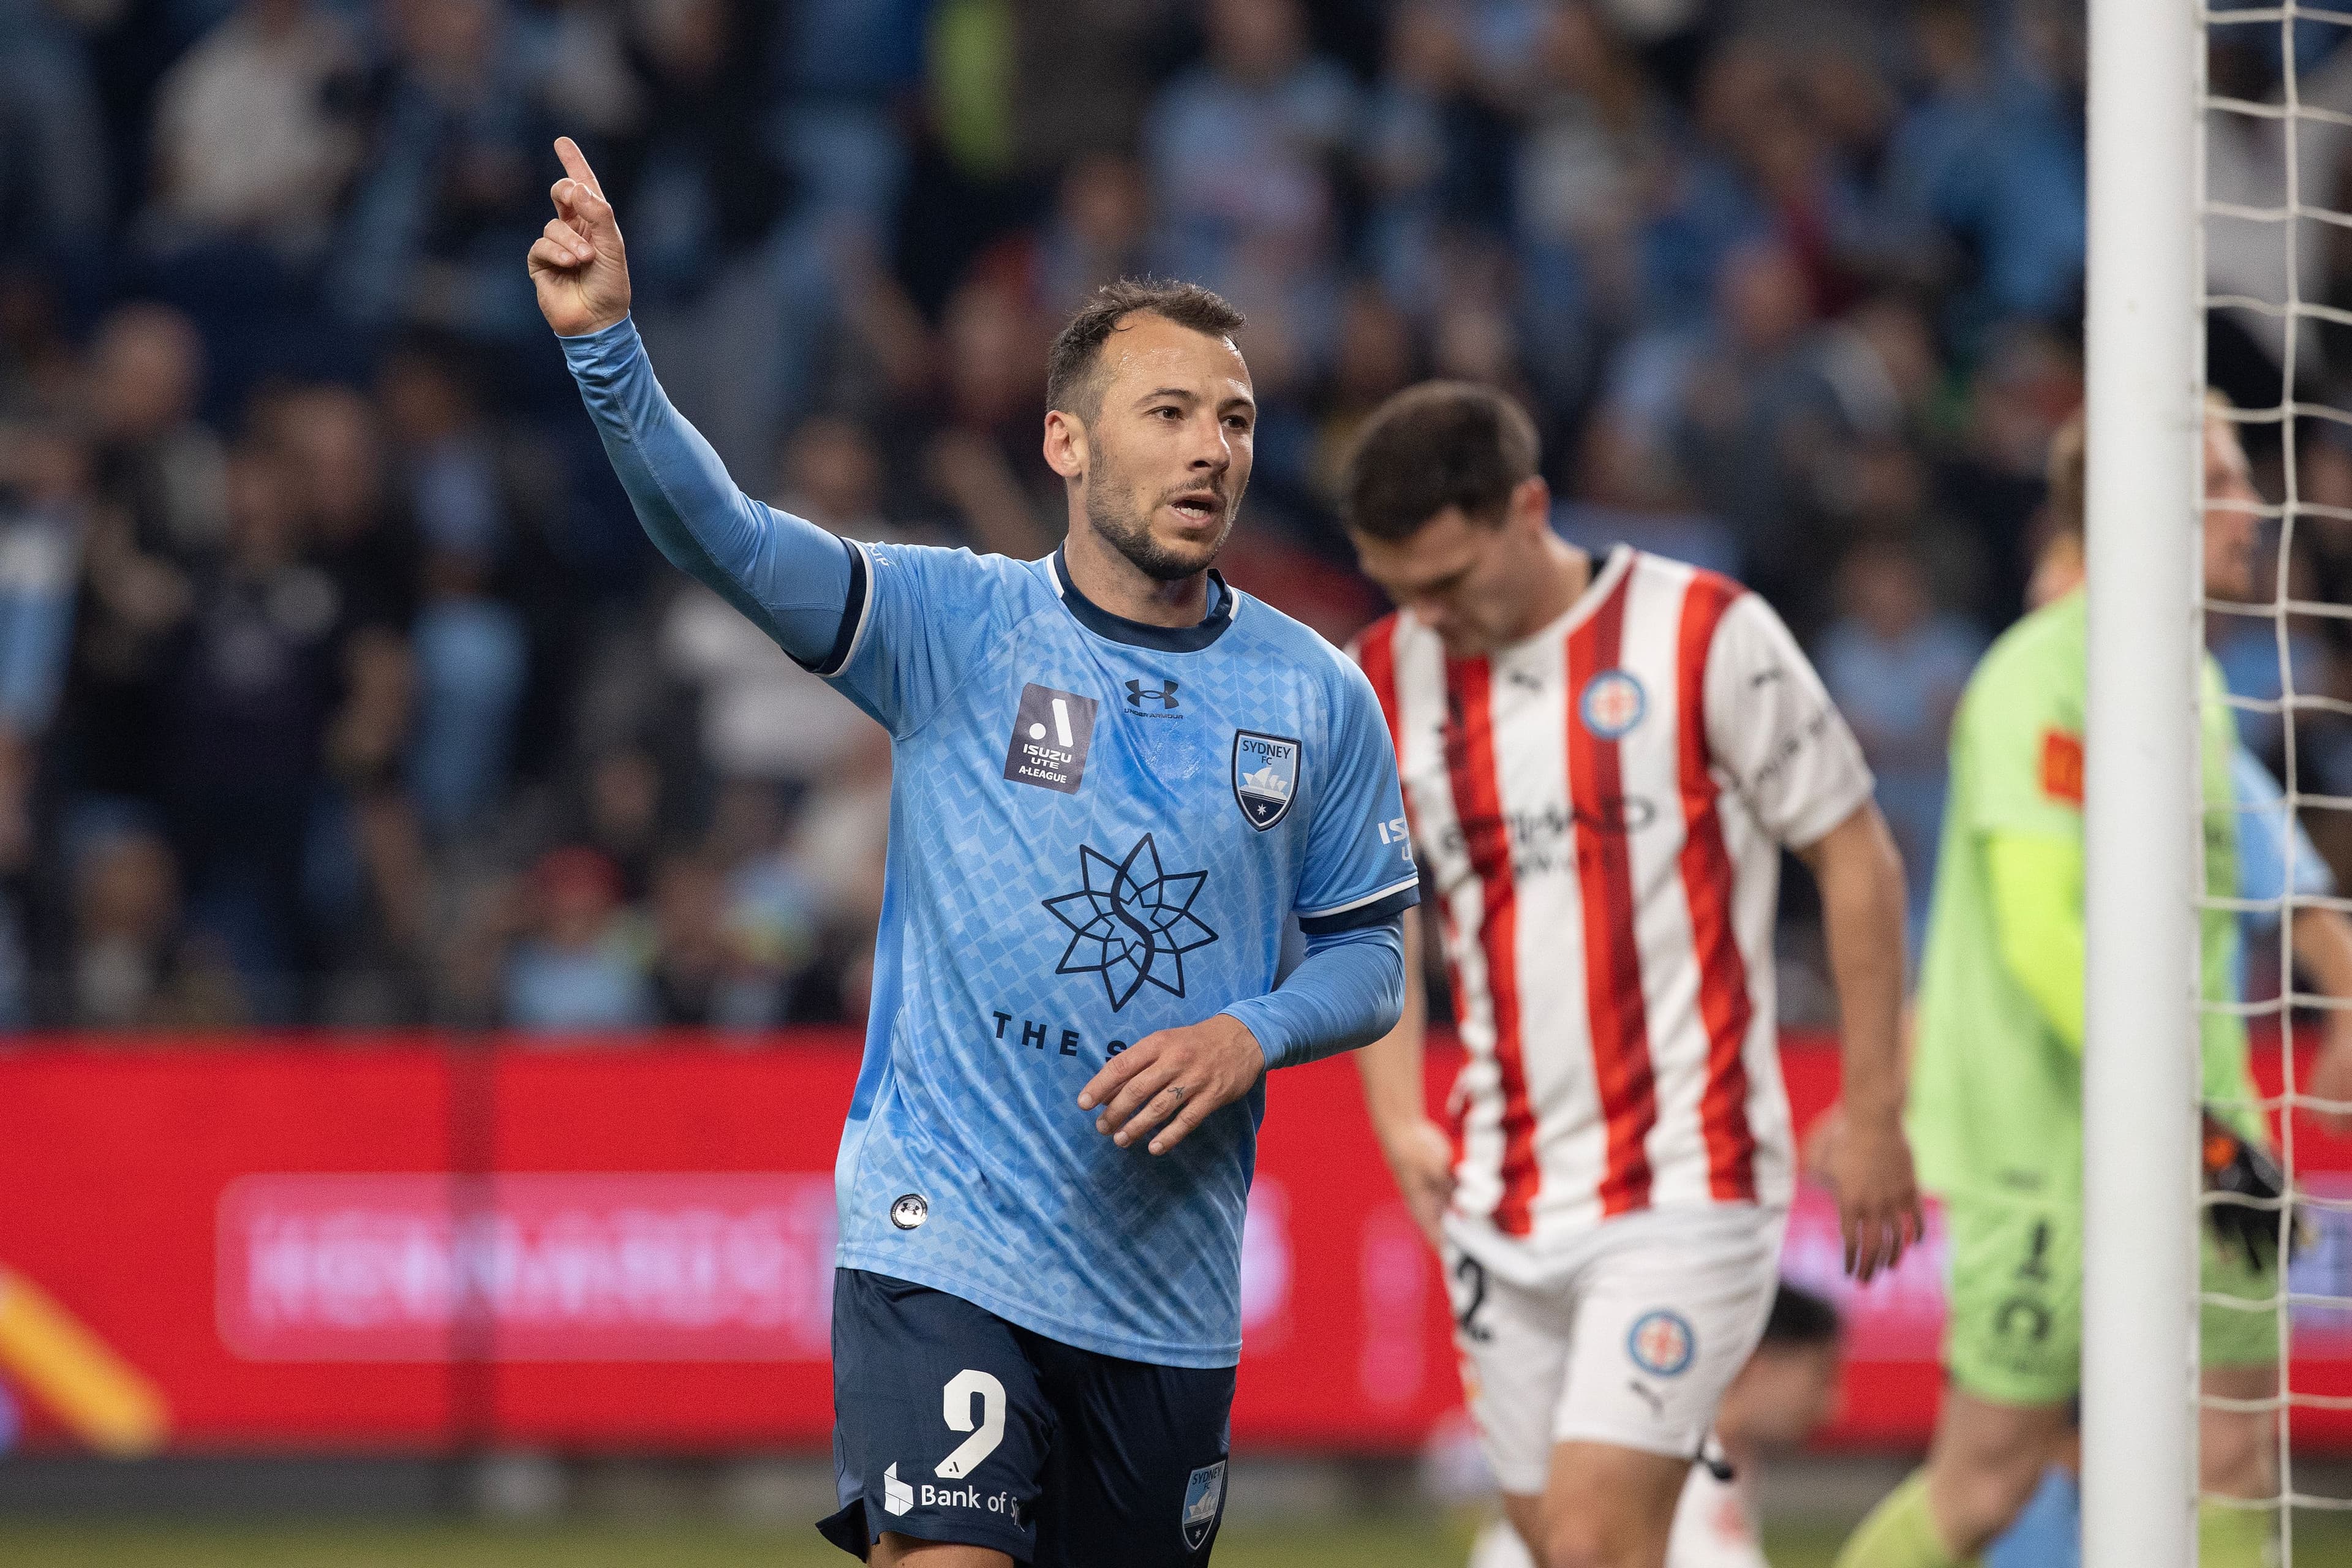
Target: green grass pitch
(1399, 1542)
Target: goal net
(2274, 116)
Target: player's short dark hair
(1799, 1320)
(1442, 444)
(1073, 367)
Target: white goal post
(2141, 808)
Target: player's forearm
(1861, 879)
(2323, 945)
(790, 576)
(2036, 880)
(1348, 993)
(1392, 1066)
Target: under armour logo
(1138, 694)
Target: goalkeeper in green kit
(1996, 1106)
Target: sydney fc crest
(1265, 777)
(1204, 1493)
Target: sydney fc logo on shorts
(1132, 921)
(1613, 703)
(1203, 1495)
(1265, 777)
(1662, 1343)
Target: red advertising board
(397, 1244)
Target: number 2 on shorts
(956, 1399)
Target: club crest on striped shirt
(1265, 777)
(1613, 703)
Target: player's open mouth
(1199, 506)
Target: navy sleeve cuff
(1382, 908)
(853, 619)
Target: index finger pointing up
(575, 164)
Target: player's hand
(2331, 1071)
(1421, 1158)
(1877, 1196)
(578, 265)
(1817, 1153)
(2251, 1185)
(1176, 1077)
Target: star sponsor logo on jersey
(1265, 777)
(1204, 1494)
(1612, 704)
(1662, 1342)
(1051, 732)
(1132, 921)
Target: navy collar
(1140, 633)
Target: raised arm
(793, 580)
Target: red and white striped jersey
(1601, 807)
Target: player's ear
(1530, 504)
(1066, 444)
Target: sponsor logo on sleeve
(1265, 777)
(2061, 767)
(1050, 735)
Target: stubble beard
(1125, 524)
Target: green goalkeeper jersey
(1996, 1104)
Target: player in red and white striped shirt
(1602, 760)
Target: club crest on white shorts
(1662, 1342)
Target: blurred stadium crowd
(337, 685)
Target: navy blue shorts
(951, 1425)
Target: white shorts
(1630, 1340)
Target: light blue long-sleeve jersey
(1098, 829)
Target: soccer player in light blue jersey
(1115, 780)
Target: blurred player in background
(2277, 860)
(1996, 1100)
(1789, 1387)
(1115, 780)
(1603, 758)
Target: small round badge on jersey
(1613, 703)
(909, 1210)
